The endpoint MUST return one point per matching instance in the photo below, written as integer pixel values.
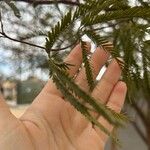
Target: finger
(106, 84)
(104, 88)
(115, 102)
(74, 58)
(97, 61)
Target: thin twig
(19, 41)
(140, 114)
(4, 35)
(109, 26)
(34, 45)
(2, 28)
(47, 2)
(137, 128)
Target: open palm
(51, 123)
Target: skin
(50, 123)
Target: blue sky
(4, 66)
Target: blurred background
(24, 69)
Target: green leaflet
(87, 65)
(74, 101)
(99, 108)
(100, 41)
(70, 17)
(128, 13)
(95, 7)
(96, 38)
(81, 108)
(57, 30)
(90, 15)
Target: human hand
(51, 123)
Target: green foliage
(118, 14)
(79, 106)
(87, 65)
(96, 38)
(94, 13)
(109, 114)
(57, 30)
(100, 41)
(89, 14)
(116, 26)
(73, 93)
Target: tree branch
(33, 45)
(4, 35)
(20, 41)
(140, 133)
(48, 2)
(141, 114)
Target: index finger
(74, 58)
